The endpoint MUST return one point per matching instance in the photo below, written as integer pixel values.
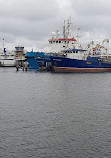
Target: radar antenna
(78, 33)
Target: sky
(30, 23)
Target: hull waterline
(62, 69)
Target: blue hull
(37, 60)
(92, 64)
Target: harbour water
(52, 115)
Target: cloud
(28, 9)
(30, 22)
(28, 19)
(93, 15)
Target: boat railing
(106, 58)
(58, 54)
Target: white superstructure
(57, 43)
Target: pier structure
(20, 59)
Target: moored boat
(41, 60)
(79, 60)
(65, 54)
(7, 59)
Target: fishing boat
(41, 60)
(65, 54)
(96, 59)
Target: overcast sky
(29, 23)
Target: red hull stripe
(63, 39)
(62, 69)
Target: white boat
(7, 59)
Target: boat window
(56, 41)
(59, 41)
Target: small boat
(7, 59)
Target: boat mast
(68, 33)
(64, 30)
(4, 49)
